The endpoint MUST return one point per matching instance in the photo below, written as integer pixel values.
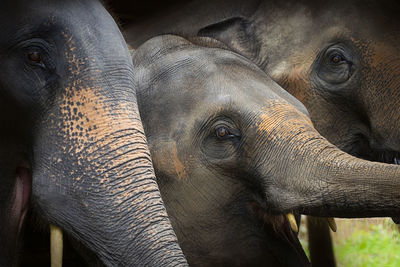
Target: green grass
(377, 246)
(371, 242)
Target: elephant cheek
(296, 82)
(165, 157)
(380, 95)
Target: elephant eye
(335, 65)
(223, 132)
(36, 58)
(336, 58)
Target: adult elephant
(234, 153)
(72, 137)
(339, 58)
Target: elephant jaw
(284, 226)
(21, 195)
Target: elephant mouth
(364, 148)
(384, 156)
(21, 196)
(282, 228)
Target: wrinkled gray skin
(234, 152)
(339, 58)
(71, 136)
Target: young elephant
(72, 138)
(234, 152)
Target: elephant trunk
(314, 177)
(92, 170)
(100, 186)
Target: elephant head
(234, 153)
(71, 137)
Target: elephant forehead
(166, 152)
(309, 27)
(21, 20)
(188, 64)
(16, 22)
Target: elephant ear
(237, 33)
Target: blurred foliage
(377, 246)
(364, 243)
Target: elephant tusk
(292, 222)
(332, 224)
(56, 246)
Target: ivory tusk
(56, 246)
(292, 222)
(332, 224)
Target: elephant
(235, 154)
(339, 58)
(72, 145)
